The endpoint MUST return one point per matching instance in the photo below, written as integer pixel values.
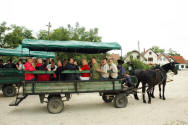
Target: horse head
(170, 66)
(173, 68)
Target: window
(150, 53)
(182, 66)
(138, 57)
(150, 59)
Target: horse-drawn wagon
(54, 93)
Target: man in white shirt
(104, 69)
(52, 66)
(113, 69)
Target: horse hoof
(153, 96)
(149, 102)
(164, 98)
(160, 97)
(144, 101)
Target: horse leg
(164, 84)
(149, 94)
(135, 94)
(160, 91)
(143, 92)
(152, 92)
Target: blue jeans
(102, 78)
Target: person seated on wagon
(104, 69)
(52, 67)
(95, 69)
(60, 68)
(113, 70)
(20, 65)
(70, 66)
(1, 63)
(41, 66)
(10, 64)
(85, 67)
(122, 74)
(29, 67)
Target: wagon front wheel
(9, 91)
(55, 105)
(107, 98)
(120, 100)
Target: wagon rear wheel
(9, 91)
(107, 98)
(55, 105)
(120, 100)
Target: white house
(162, 59)
(134, 55)
(181, 63)
(153, 58)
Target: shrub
(187, 66)
(138, 65)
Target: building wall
(162, 60)
(150, 55)
(181, 66)
(133, 55)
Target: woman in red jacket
(29, 67)
(41, 66)
(85, 66)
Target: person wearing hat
(122, 74)
(10, 64)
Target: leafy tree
(3, 29)
(42, 35)
(172, 52)
(80, 33)
(74, 33)
(61, 34)
(17, 34)
(157, 49)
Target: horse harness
(159, 76)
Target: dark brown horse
(150, 78)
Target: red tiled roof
(178, 59)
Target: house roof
(135, 51)
(164, 56)
(187, 61)
(151, 50)
(178, 59)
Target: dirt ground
(89, 109)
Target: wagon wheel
(107, 98)
(9, 91)
(120, 100)
(55, 105)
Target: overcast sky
(153, 22)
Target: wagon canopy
(70, 46)
(25, 53)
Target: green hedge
(187, 66)
(138, 65)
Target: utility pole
(49, 26)
(138, 46)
